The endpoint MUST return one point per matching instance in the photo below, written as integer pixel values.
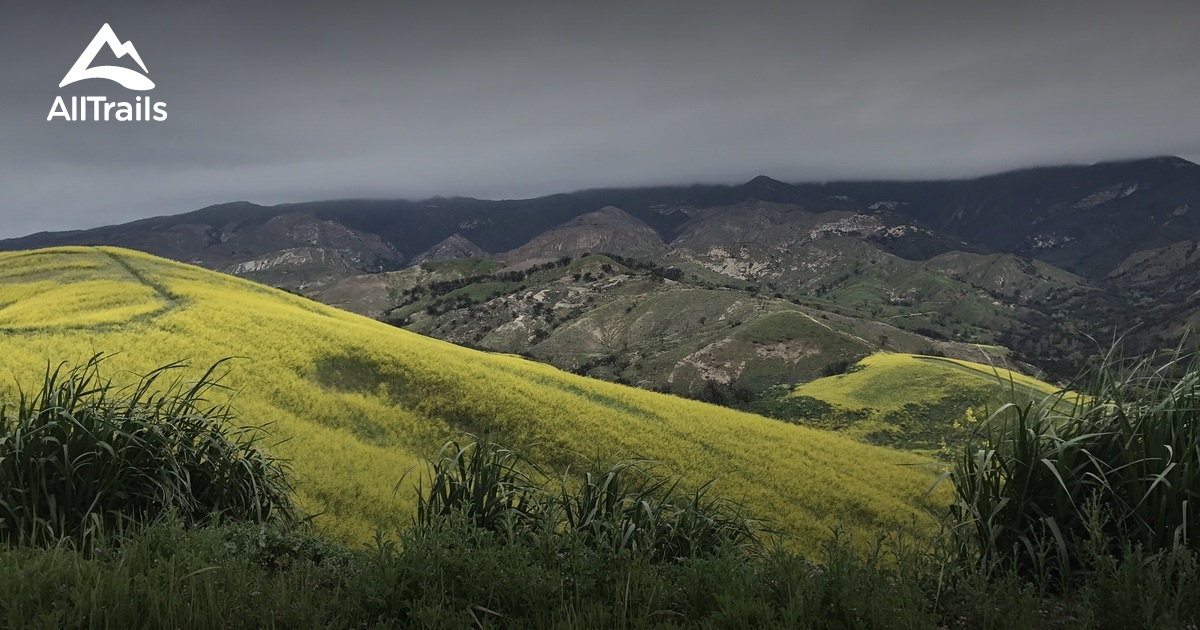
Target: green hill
(355, 402)
(910, 401)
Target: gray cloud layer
(300, 101)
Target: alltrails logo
(99, 108)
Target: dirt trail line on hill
(831, 328)
(163, 293)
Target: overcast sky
(302, 101)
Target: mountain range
(729, 291)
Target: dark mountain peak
(767, 189)
(766, 183)
(607, 230)
(455, 246)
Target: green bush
(484, 482)
(80, 456)
(1037, 487)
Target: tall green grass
(628, 506)
(80, 456)
(1045, 490)
(486, 483)
(625, 507)
(497, 544)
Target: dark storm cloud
(300, 101)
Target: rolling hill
(915, 402)
(354, 403)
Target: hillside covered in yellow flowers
(354, 403)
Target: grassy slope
(357, 401)
(915, 401)
(888, 381)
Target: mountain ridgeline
(725, 292)
(1061, 214)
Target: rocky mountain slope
(1045, 262)
(609, 229)
(1083, 218)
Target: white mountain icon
(126, 77)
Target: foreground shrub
(1046, 491)
(629, 507)
(625, 507)
(81, 456)
(484, 482)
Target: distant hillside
(631, 321)
(1042, 261)
(1086, 219)
(910, 401)
(609, 230)
(354, 402)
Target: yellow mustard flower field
(354, 403)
